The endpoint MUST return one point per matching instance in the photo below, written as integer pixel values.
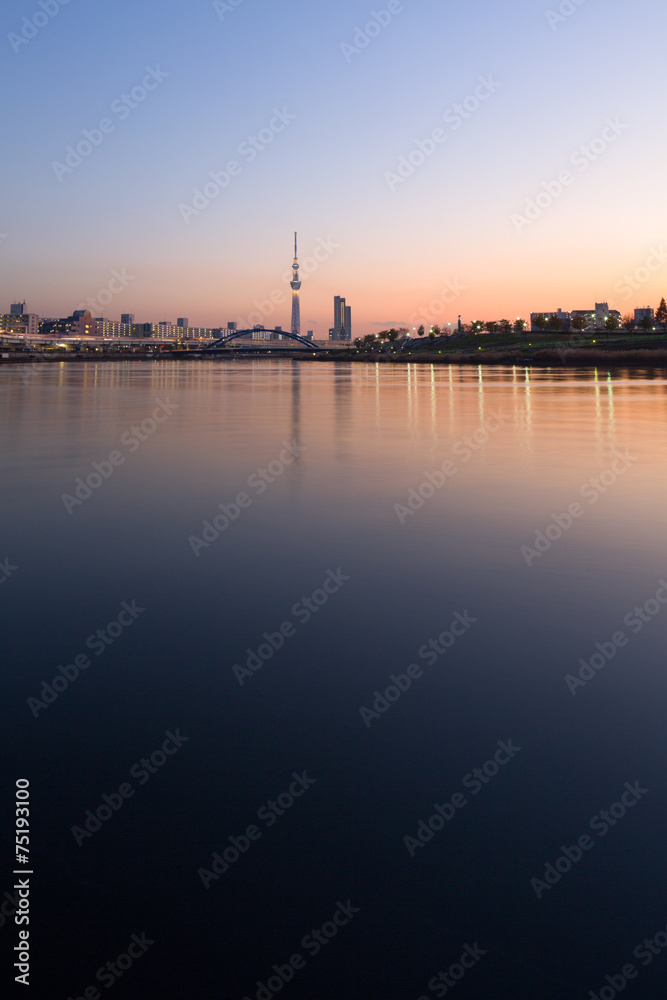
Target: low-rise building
(643, 314)
(18, 323)
(582, 319)
(564, 318)
(79, 324)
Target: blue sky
(351, 116)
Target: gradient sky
(357, 113)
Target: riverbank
(545, 358)
(529, 357)
(57, 357)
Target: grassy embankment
(619, 348)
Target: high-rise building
(295, 285)
(182, 321)
(342, 328)
(127, 318)
(339, 317)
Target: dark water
(343, 448)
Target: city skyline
(482, 186)
(116, 296)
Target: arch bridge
(236, 334)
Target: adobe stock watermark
(449, 293)
(442, 982)
(429, 652)
(563, 13)
(223, 7)
(118, 282)
(312, 943)
(635, 620)
(27, 373)
(573, 341)
(645, 952)
(303, 611)
(378, 21)
(108, 973)
(601, 823)
(142, 770)
(593, 490)
(122, 107)
(475, 780)
(30, 27)
(131, 439)
(97, 642)
(454, 117)
(581, 158)
(655, 261)
(269, 814)
(8, 907)
(464, 450)
(259, 481)
(7, 570)
(323, 251)
(248, 150)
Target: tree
(629, 323)
(435, 330)
(539, 322)
(661, 314)
(421, 331)
(579, 323)
(491, 326)
(520, 325)
(392, 335)
(611, 322)
(555, 323)
(505, 326)
(476, 326)
(646, 323)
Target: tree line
(541, 323)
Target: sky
(437, 158)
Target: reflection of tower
(296, 402)
(295, 285)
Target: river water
(388, 644)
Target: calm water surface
(417, 493)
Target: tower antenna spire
(295, 285)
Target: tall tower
(342, 319)
(295, 285)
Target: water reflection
(371, 435)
